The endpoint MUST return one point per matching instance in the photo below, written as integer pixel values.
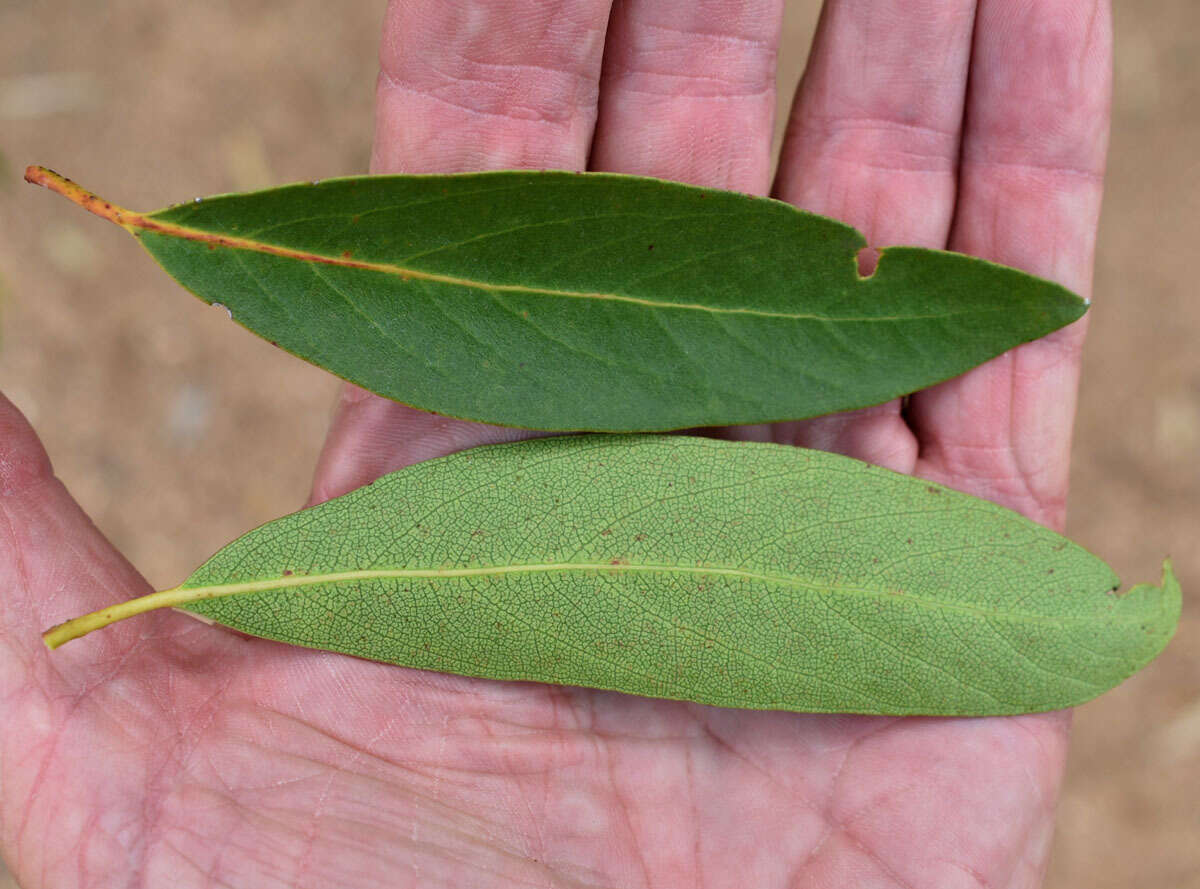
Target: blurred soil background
(178, 430)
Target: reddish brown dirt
(178, 430)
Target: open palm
(163, 752)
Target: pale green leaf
(735, 574)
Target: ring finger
(873, 140)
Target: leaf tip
(1170, 585)
(1164, 602)
(1168, 588)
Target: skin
(164, 752)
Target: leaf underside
(552, 300)
(733, 574)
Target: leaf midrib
(146, 223)
(185, 594)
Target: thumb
(54, 565)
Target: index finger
(464, 86)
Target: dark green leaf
(742, 575)
(554, 300)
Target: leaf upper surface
(566, 301)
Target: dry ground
(178, 430)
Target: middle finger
(688, 91)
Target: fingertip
(371, 436)
(877, 435)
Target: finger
(873, 140)
(688, 92)
(55, 565)
(483, 84)
(1029, 196)
(371, 436)
(487, 84)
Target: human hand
(162, 750)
